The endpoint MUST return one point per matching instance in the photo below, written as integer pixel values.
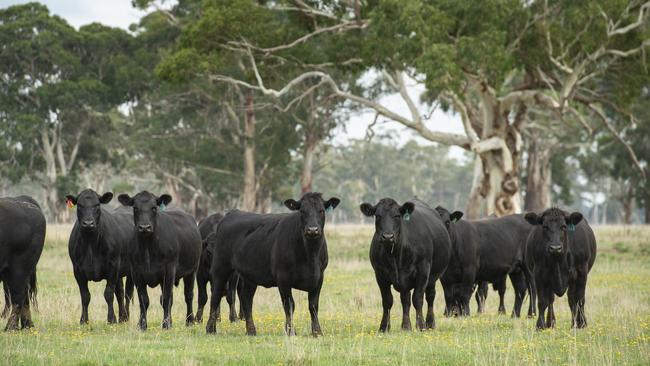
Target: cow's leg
(119, 296)
(218, 284)
(519, 285)
(240, 286)
(7, 307)
(143, 297)
(17, 284)
(405, 298)
(168, 298)
(418, 301)
(26, 316)
(480, 296)
(128, 295)
(314, 299)
(82, 282)
(109, 294)
(579, 286)
(448, 292)
(386, 303)
(542, 304)
(501, 289)
(289, 305)
(202, 284)
(230, 297)
(188, 291)
(430, 294)
(248, 292)
(550, 315)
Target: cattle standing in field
(410, 250)
(22, 236)
(97, 247)
(207, 228)
(484, 250)
(560, 251)
(165, 248)
(288, 251)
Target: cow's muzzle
(555, 249)
(312, 232)
(145, 229)
(388, 238)
(88, 224)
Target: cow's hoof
(189, 321)
(142, 326)
(211, 328)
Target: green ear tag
(162, 207)
(572, 227)
(329, 209)
(406, 216)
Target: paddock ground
(618, 312)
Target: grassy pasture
(618, 312)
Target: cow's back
(208, 225)
(582, 243)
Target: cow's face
(145, 210)
(88, 208)
(389, 216)
(447, 217)
(312, 209)
(555, 225)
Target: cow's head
(312, 209)
(389, 216)
(145, 210)
(88, 208)
(555, 225)
(447, 217)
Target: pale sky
(120, 13)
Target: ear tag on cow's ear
(407, 216)
(162, 207)
(329, 210)
(454, 219)
(572, 227)
(69, 203)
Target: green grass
(618, 312)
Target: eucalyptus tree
(490, 61)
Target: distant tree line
(234, 103)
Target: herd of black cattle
(145, 244)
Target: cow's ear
(368, 209)
(533, 218)
(292, 204)
(407, 209)
(106, 198)
(331, 203)
(164, 200)
(456, 216)
(125, 199)
(71, 198)
(441, 210)
(573, 219)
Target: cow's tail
(32, 291)
(5, 310)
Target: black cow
(207, 227)
(560, 251)
(165, 247)
(22, 236)
(485, 250)
(410, 250)
(288, 251)
(98, 247)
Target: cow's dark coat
(560, 251)
(97, 247)
(165, 247)
(207, 227)
(288, 251)
(410, 250)
(22, 235)
(485, 250)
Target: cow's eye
(563, 227)
(545, 227)
(154, 209)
